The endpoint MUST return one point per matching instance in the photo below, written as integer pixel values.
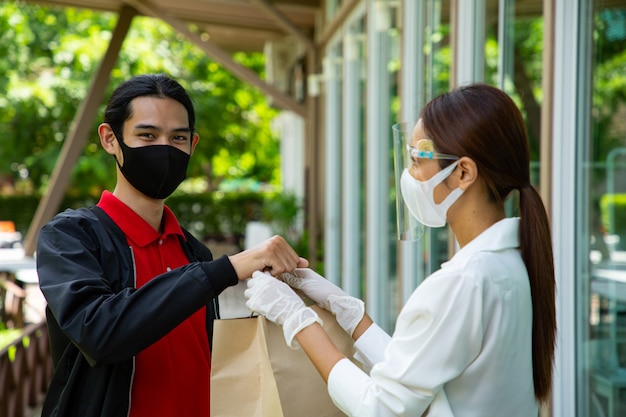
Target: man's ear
(107, 138)
(469, 172)
(194, 141)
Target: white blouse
(462, 343)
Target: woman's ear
(469, 172)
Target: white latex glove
(348, 310)
(274, 299)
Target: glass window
(332, 162)
(426, 59)
(506, 46)
(353, 144)
(437, 80)
(513, 57)
(379, 217)
(602, 283)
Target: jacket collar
(134, 226)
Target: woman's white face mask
(420, 199)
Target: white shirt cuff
(370, 347)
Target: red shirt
(172, 375)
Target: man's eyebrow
(144, 126)
(152, 127)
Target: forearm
(319, 348)
(111, 326)
(363, 325)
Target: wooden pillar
(78, 134)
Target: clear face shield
(408, 228)
(415, 204)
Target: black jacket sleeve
(88, 280)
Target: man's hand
(273, 255)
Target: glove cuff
(348, 310)
(298, 321)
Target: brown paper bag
(255, 374)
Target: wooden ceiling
(234, 25)
(246, 25)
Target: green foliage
(613, 214)
(217, 215)
(214, 215)
(7, 337)
(20, 208)
(439, 52)
(280, 210)
(49, 58)
(522, 69)
(609, 94)
(10, 338)
(47, 72)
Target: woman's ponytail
(536, 248)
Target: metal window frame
(332, 222)
(566, 110)
(351, 159)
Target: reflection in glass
(603, 301)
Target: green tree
(609, 92)
(51, 55)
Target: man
(131, 295)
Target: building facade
(564, 64)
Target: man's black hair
(155, 85)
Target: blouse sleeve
(370, 347)
(438, 334)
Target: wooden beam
(78, 134)
(339, 19)
(281, 99)
(284, 22)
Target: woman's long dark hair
(484, 124)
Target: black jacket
(98, 321)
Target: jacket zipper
(132, 374)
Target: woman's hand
(276, 301)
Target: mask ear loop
(454, 194)
(450, 199)
(444, 173)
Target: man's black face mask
(154, 170)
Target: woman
(477, 337)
